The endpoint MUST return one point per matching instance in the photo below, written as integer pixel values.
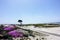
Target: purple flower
(9, 28)
(15, 33)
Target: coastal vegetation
(42, 25)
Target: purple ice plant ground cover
(15, 34)
(12, 32)
(9, 28)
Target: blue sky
(30, 11)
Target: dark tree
(20, 21)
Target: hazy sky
(30, 11)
